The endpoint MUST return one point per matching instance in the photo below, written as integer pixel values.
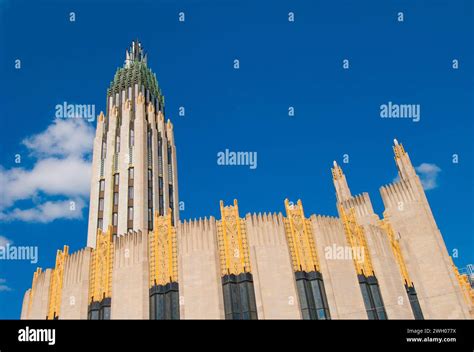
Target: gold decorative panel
(300, 239)
(396, 251)
(163, 251)
(355, 236)
(100, 282)
(232, 240)
(466, 288)
(37, 273)
(56, 284)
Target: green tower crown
(135, 71)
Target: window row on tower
(154, 184)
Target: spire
(404, 165)
(398, 149)
(340, 184)
(336, 171)
(135, 53)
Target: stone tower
(408, 211)
(134, 171)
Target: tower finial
(336, 171)
(340, 184)
(398, 149)
(135, 53)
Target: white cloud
(4, 241)
(63, 138)
(428, 175)
(55, 177)
(62, 170)
(48, 211)
(3, 286)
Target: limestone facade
(135, 236)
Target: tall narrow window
(372, 297)
(102, 185)
(160, 196)
(164, 302)
(239, 297)
(101, 204)
(312, 295)
(150, 196)
(414, 303)
(149, 138)
(114, 219)
(150, 199)
(104, 149)
(130, 213)
(169, 154)
(130, 192)
(132, 137)
(130, 173)
(116, 198)
(99, 310)
(170, 190)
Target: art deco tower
(134, 173)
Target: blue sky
(282, 64)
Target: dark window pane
(152, 307)
(239, 297)
(167, 306)
(234, 289)
(244, 300)
(174, 305)
(227, 300)
(312, 295)
(106, 313)
(318, 299)
(160, 307)
(302, 294)
(378, 301)
(415, 304)
(251, 298)
(164, 301)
